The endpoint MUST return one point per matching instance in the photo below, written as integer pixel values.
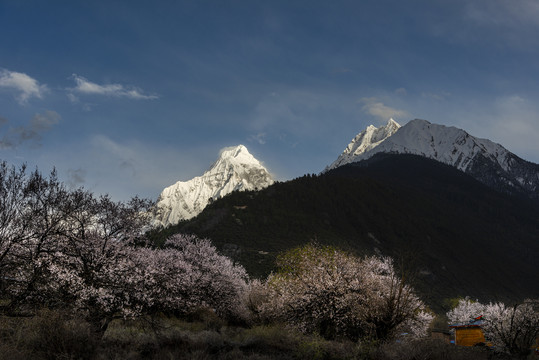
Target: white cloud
(114, 90)
(25, 86)
(73, 98)
(377, 108)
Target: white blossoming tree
(465, 311)
(511, 329)
(324, 290)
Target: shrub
(48, 335)
(427, 349)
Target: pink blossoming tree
(324, 290)
(67, 248)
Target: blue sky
(128, 97)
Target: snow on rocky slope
(485, 160)
(364, 142)
(236, 169)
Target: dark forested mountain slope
(457, 235)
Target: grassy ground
(56, 335)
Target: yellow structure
(469, 336)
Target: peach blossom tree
(327, 291)
(67, 248)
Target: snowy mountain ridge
(364, 142)
(485, 160)
(235, 169)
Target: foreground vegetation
(58, 335)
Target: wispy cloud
(512, 23)
(83, 86)
(509, 120)
(514, 123)
(259, 138)
(436, 96)
(401, 91)
(509, 14)
(377, 108)
(23, 85)
(31, 133)
(503, 23)
(300, 113)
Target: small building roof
(472, 323)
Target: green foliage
(291, 262)
(310, 350)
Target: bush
(48, 335)
(427, 349)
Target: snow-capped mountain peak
(446, 144)
(234, 156)
(365, 141)
(235, 169)
(485, 160)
